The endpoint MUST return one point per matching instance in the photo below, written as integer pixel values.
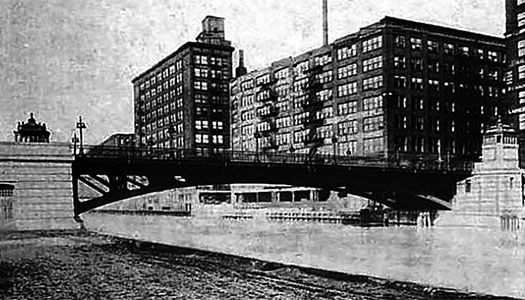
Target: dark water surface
(479, 260)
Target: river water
(479, 260)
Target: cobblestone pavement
(72, 265)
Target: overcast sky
(63, 58)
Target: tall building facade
(183, 100)
(515, 77)
(395, 87)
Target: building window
(372, 123)
(372, 83)
(400, 81)
(217, 139)
(201, 72)
(400, 62)
(263, 79)
(493, 56)
(417, 64)
(346, 108)
(416, 44)
(346, 71)
(400, 41)
(373, 146)
(372, 103)
(284, 122)
(433, 66)
(201, 85)
(372, 44)
(448, 49)
(246, 85)
(432, 46)
(521, 97)
(347, 89)
(282, 73)
(347, 148)
(480, 53)
(372, 63)
(468, 186)
(324, 77)
(345, 128)
(521, 72)
(418, 102)
(419, 123)
(324, 95)
(464, 50)
(201, 60)
(201, 138)
(402, 122)
(401, 101)
(521, 19)
(215, 61)
(322, 60)
(346, 52)
(522, 121)
(417, 84)
(218, 125)
(449, 87)
(433, 85)
(449, 68)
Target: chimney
(511, 23)
(240, 70)
(325, 22)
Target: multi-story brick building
(183, 100)
(515, 77)
(395, 87)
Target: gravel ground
(75, 265)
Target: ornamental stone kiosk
(493, 196)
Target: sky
(65, 58)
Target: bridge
(409, 183)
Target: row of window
(163, 74)
(343, 128)
(205, 124)
(418, 124)
(369, 104)
(416, 44)
(207, 138)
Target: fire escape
(267, 113)
(313, 107)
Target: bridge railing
(398, 161)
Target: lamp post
(81, 125)
(292, 150)
(171, 132)
(334, 142)
(74, 140)
(257, 136)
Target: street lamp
(74, 140)
(334, 142)
(171, 132)
(257, 136)
(81, 125)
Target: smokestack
(240, 70)
(325, 22)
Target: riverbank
(74, 265)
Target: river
(476, 259)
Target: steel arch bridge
(415, 183)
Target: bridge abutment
(42, 180)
